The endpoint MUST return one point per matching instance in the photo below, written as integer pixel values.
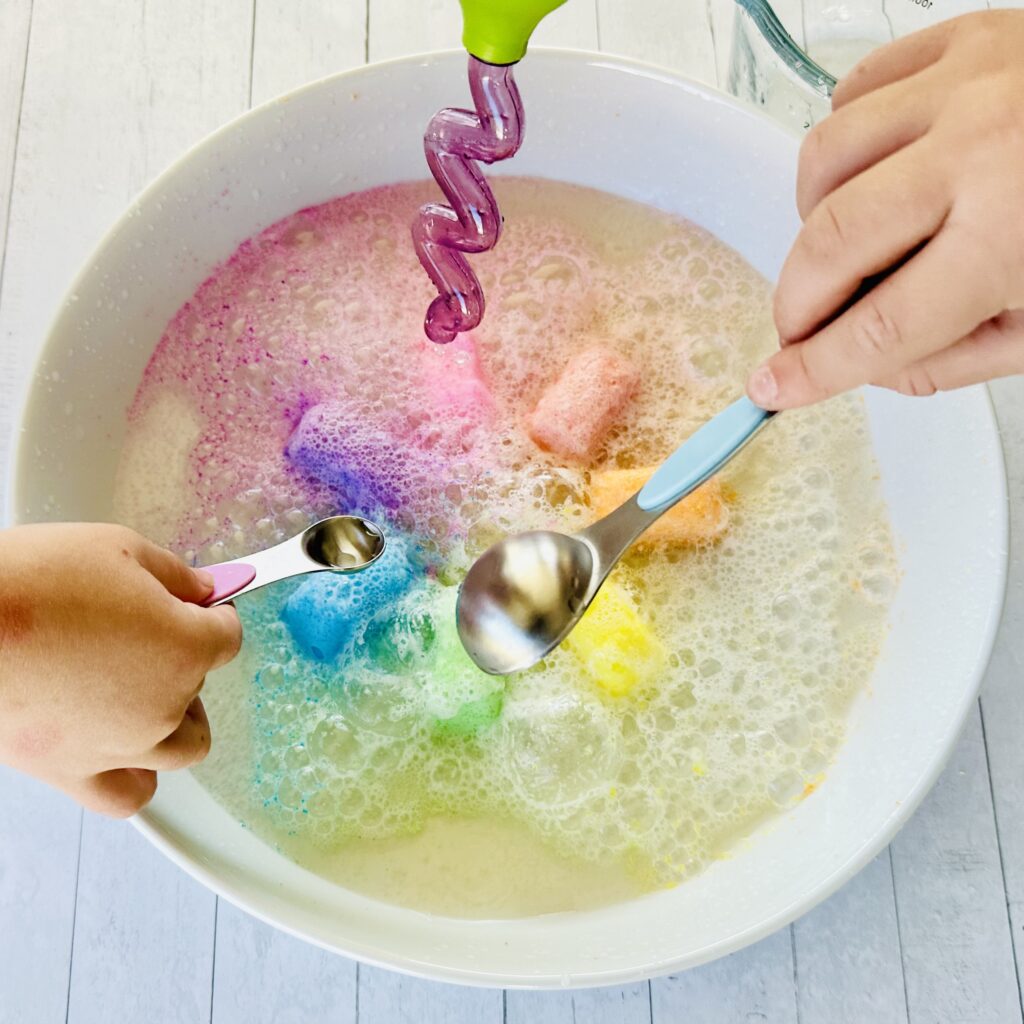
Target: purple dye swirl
(454, 140)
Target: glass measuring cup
(787, 55)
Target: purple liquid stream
(454, 141)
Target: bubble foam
(353, 733)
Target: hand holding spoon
(522, 597)
(338, 544)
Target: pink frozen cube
(576, 411)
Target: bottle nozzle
(497, 31)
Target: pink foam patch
(577, 410)
(454, 379)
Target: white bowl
(644, 134)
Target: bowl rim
(18, 456)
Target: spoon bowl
(521, 598)
(343, 543)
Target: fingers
(216, 633)
(864, 133)
(898, 60)
(186, 746)
(119, 793)
(180, 580)
(995, 349)
(942, 294)
(862, 228)
(122, 792)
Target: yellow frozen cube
(700, 518)
(614, 645)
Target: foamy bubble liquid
(353, 733)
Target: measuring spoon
(338, 544)
(522, 597)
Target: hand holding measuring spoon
(106, 640)
(920, 167)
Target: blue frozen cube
(328, 612)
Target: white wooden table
(96, 97)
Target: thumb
(118, 793)
(180, 580)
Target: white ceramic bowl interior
(653, 137)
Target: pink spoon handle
(228, 579)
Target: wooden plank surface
(15, 17)
(39, 829)
(755, 985)
(630, 1005)
(398, 28)
(296, 43)
(957, 955)
(1002, 693)
(668, 32)
(143, 946)
(39, 839)
(573, 25)
(389, 998)
(262, 976)
(847, 954)
(15, 23)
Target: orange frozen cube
(700, 518)
(576, 411)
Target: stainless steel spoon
(524, 595)
(338, 544)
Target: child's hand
(103, 651)
(922, 157)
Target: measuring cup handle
(228, 579)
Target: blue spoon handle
(702, 454)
